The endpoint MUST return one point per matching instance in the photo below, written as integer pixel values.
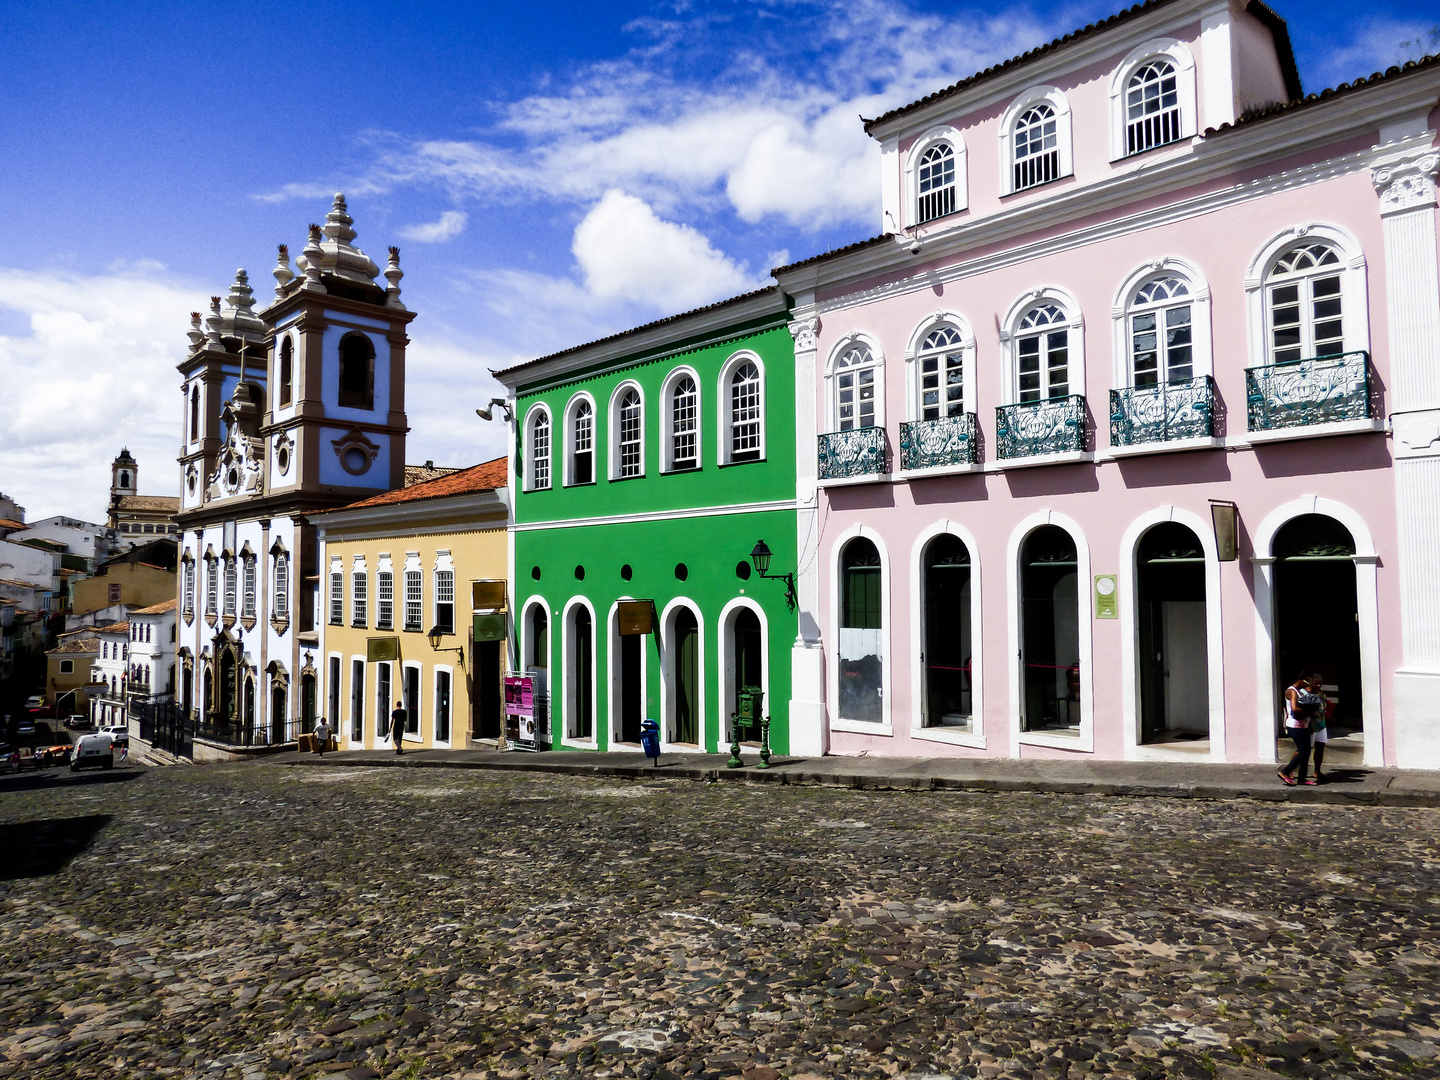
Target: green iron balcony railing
(933, 444)
(858, 452)
(1176, 410)
(1323, 390)
(1032, 428)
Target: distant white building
(150, 671)
(108, 674)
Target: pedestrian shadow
(41, 848)
(1345, 775)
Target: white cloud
(95, 372)
(1375, 47)
(626, 252)
(451, 224)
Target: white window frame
(448, 672)
(413, 709)
(533, 480)
(444, 564)
(526, 637)
(569, 690)
(1202, 341)
(669, 673)
(832, 404)
(249, 585)
(1155, 49)
(231, 572)
(615, 434)
(412, 566)
(975, 737)
(1355, 301)
(667, 420)
(335, 615)
(886, 727)
(281, 606)
(384, 568)
(942, 134)
(1064, 139)
(725, 413)
(359, 592)
(913, 374)
(1075, 343)
(571, 408)
(189, 608)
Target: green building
(647, 466)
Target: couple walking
(1306, 724)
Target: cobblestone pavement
(258, 921)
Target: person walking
(322, 737)
(1319, 729)
(1299, 710)
(397, 726)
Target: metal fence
(165, 726)
(252, 735)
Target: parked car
(119, 734)
(96, 749)
(9, 757)
(77, 721)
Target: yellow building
(399, 618)
(67, 672)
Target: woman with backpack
(1302, 704)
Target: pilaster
(809, 732)
(1406, 186)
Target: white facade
(107, 706)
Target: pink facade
(1230, 223)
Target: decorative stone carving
(393, 274)
(282, 273)
(356, 452)
(1417, 434)
(806, 333)
(1406, 185)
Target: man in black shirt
(397, 726)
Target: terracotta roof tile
(418, 474)
(487, 476)
(156, 609)
(114, 628)
(834, 252)
(11, 523)
(79, 645)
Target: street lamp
(760, 557)
(434, 636)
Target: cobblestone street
(271, 920)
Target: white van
(97, 749)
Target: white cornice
(1060, 60)
(658, 515)
(1221, 155)
(635, 344)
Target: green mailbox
(749, 713)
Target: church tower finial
(282, 273)
(393, 274)
(312, 254)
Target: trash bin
(650, 740)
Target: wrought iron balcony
(1052, 426)
(1304, 392)
(1163, 413)
(933, 444)
(858, 452)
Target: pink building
(1134, 291)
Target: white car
(97, 749)
(119, 734)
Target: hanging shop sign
(382, 648)
(488, 595)
(635, 617)
(490, 627)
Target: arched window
(1050, 631)
(1304, 303)
(540, 451)
(1037, 147)
(629, 427)
(194, 414)
(935, 183)
(124, 479)
(855, 380)
(860, 651)
(287, 365)
(582, 444)
(684, 424)
(282, 585)
(1042, 352)
(189, 586)
(1162, 346)
(1152, 107)
(941, 381)
(247, 595)
(230, 584)
(745, 413)
(357, 372)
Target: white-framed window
(247, 593)
(627, 422)
(1152, 98)
(1043, 339)
(443, 706)
(359, 595)
(337, 594)
(681, 395)
(935, 183)
(445, 600)
(940, 374)
(189, 585)
(212, 586)
(746, 413)
(385, 596)
(231, 583)
(537, 471)
(1035, 140)
(282, 585)
(1305, 303)
(1162, 334)
(414, 598)
(580, 440)
(856, 376)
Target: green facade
(680, 538)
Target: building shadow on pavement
(41, 848)
(55, 779)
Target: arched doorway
(207, 700)
(1050, 631)
(685, 639)
(307, 701)
(746, 646)
(947, 645)
(582, 673)
(1173, 644)
(1317, 625)
(228, 697)
(249, 716)
(860, 650)
(278, 695)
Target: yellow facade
(378, 649)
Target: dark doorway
(411, 696)
(277, 713)
(686, 727)
(485, 712)
(1050, 636)
(1173, 646)
(382, 700)
(747, 647)
(228, 689)
(860, 651)
(582, 674)
(307, 702)
(632, 687)
(945, 658)
(1317, 625)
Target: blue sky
(551, 172)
